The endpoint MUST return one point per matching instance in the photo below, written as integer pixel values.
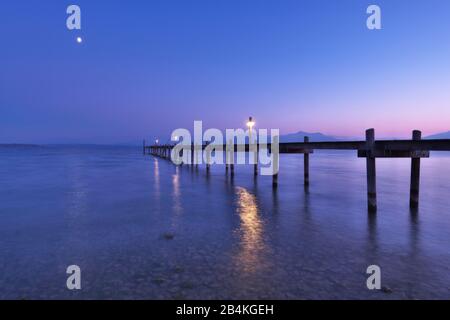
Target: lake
(141, 228)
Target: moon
(79, 40)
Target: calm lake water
(141, 228)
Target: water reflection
(306, 188)
(241, 250)
(415, 255)
(372, 235)
(306, 205)
(275, 205)
(177, 207)
(250, 229)
(156, 177)
(414, 233)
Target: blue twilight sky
(147, 67)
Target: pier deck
(416, 148)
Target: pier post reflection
(275, 204)
(414, 232)
(372, 240)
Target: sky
(145, 68)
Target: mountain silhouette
(442, 135)
(299, 137)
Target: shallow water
(141, 228)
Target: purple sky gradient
(146, 68)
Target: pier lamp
(250, 125)
(175, 139)
(156, 141)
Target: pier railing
(369, 149)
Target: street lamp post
(158, 151)
(250, 125)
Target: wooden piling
(370, 149)
(255, 165)
(306, 164)
(208, 160)
(371, 171)
(275, 180)
(182, 156)
(226, 159)
(230, 155)
(195, 154)
(415, 174)
(275, 161)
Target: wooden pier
(416, 148)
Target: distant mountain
(443, 135)
(299, 137)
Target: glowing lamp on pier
(250, 123)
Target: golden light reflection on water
(250, 229)
(176, 191)
(176, 197)
(156, 174)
